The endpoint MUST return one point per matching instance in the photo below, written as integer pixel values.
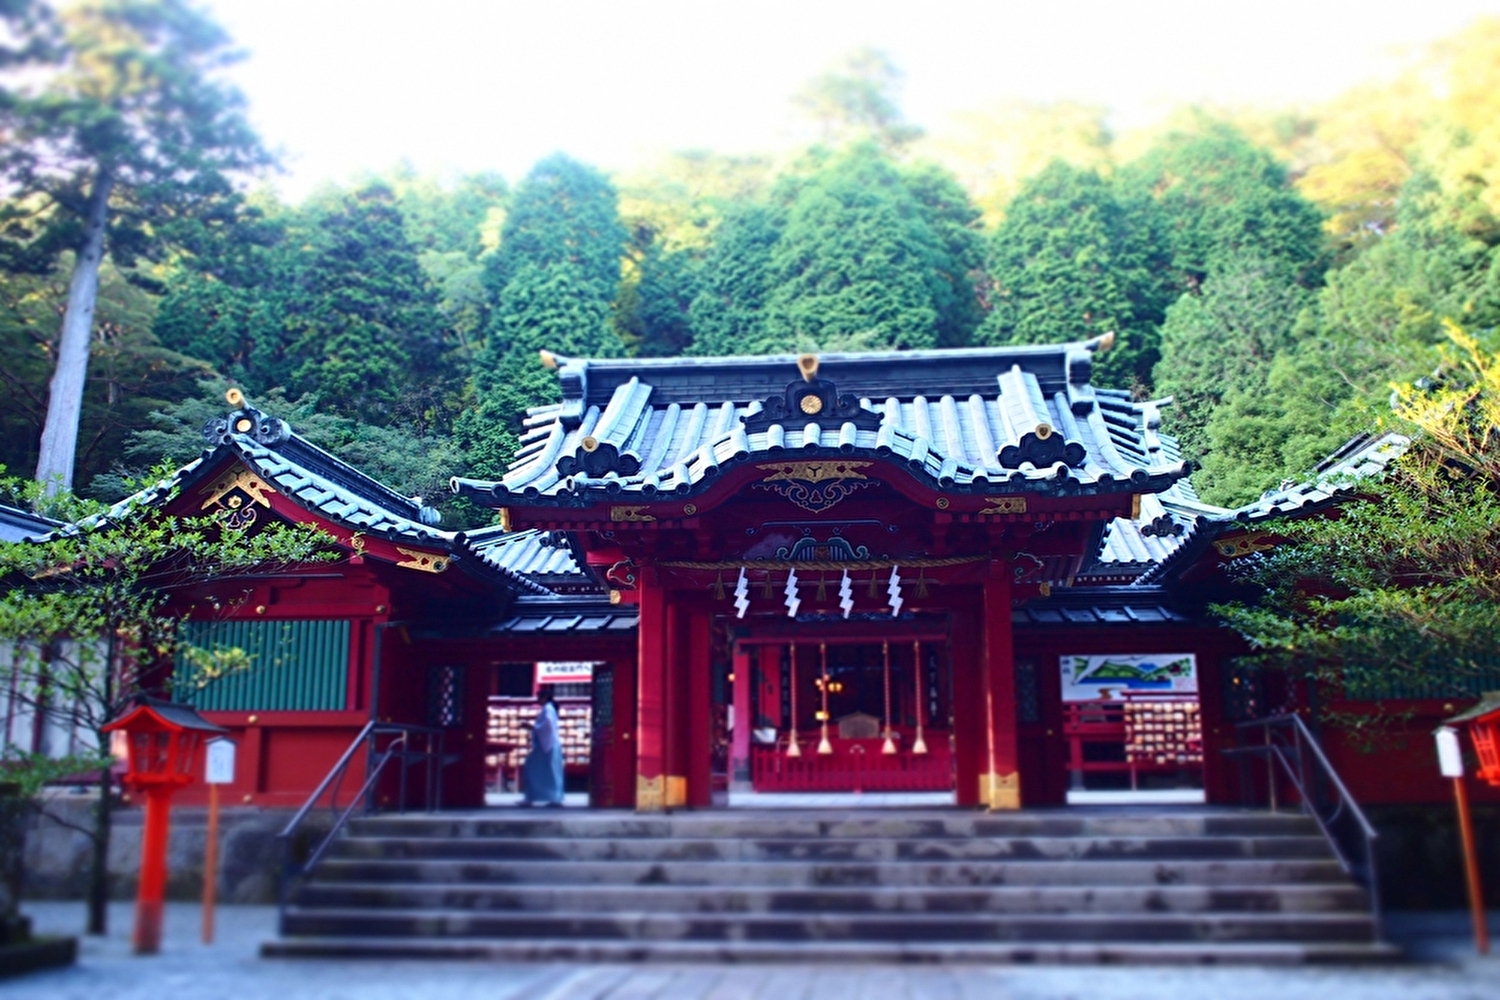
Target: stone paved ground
(231, 970)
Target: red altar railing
(856, 765)
(1154, 731)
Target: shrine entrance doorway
(841, 714)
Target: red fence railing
(856, 765)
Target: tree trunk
(99, 874)
(65, 398)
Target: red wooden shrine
(853, 573)
(819, 529)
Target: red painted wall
(1396, 763)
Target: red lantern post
(1483, 721)
(162, 738)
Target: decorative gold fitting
(589, 443)
(792, 749)
(235, 398)
(889, 746)
(427, 562)
(824, 745)
(1043, 431)
(1107, 340)
(807, 364)
(1006, 505)
(549, 360)
(919, 745)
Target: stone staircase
(1103, 885)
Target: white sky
(462, 85)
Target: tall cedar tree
(130, 376)
(652, 313)
(1224, 339)
(361, 319)
(1378, 320)
(1071, 262)
(333, 302)
(124, 146)
(863, 262)
(553, 282)
(728, 312)
(1222, 197)
(855, 101)
(452, 226)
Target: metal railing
(383, 742)
(1293, 758)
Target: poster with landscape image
(1109, 676)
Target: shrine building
(967, 573)
(830, 550)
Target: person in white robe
(542, 774)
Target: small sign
(1450, 752)
(219, 768)
(564, 673)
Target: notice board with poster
(1110, 676)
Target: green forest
(1273, 270)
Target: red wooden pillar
(651, 698)
(1000, 784)
(969, 730)
(739, 734)
(623, 768)
(675, 720)
(769, 658)
(699, 719)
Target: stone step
(837, 825)
(1157, 928)
(1314, 898)
(1089, 849)
(1223, 872)
(852, 952)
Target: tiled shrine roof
(1336, 479)
(1166, 522)
(553, 615)
(298, 469)
(17, 525)
(301, 470)
(977, 420)
(1100, 606)
(543, 557)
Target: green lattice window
(295, 666)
